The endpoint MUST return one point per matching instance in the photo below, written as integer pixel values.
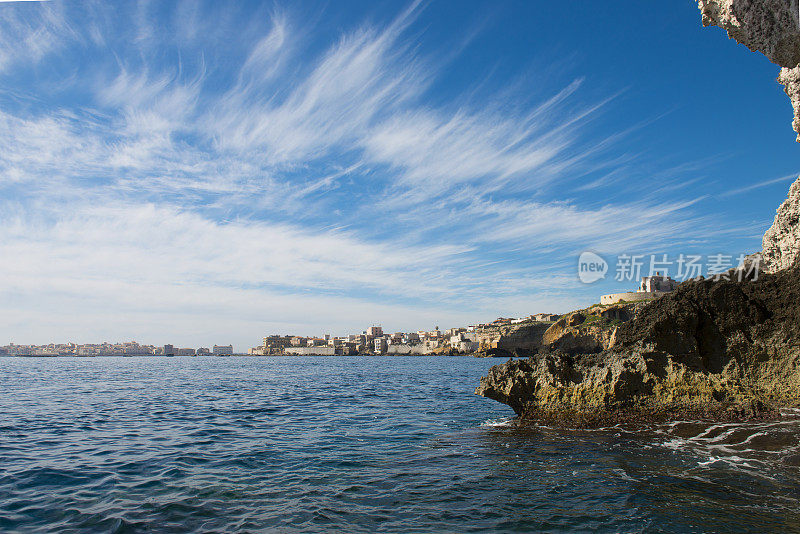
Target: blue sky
(211, 172)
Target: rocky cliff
(723, 349)
(711, 349)
(591, 330)
(582, 331)
(781, 243)
(522, 339)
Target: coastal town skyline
(278, 341)
(338, 165)
(373, 340)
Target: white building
(651, 287)
(651, 284)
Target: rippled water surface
(356, 445)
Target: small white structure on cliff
(650, 288)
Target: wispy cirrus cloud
(140, 243)
(764, 183)
(176, 165)
(29, 34)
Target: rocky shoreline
(725, 349)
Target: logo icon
(591, 267)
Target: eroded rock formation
(781, 243)
(588, 331)
(518, 340)
(790, 79)
(767, 26)
(711, 349)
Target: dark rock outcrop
(711, 349)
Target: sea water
(357, 444)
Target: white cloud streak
(182, 183)
(766, 183)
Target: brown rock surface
(781, 243)
(711, 349)
(766, 26)
(519, 340)
(587, 331)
